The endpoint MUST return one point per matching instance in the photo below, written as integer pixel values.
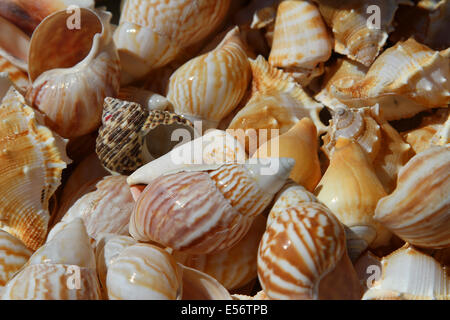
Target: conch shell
(302, 255)
(418, 210)
(70, 88)
(210, 86)
(152, 33)
(217, 203)
(32, 162)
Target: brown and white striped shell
(17, 77)
(217, 205)
(418, 210)
(31, 163)
(302, 255)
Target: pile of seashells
(352, 97)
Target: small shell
(200, 286)
(408, 274)
(233, 267)
(353, 27)
(351, 189)
(13, 255)
(144, 272)
(302, 250)
(210, 86)
(301, 144)
(70, 88)
(31, 165)
(300, 39)
(217, 206)
(152, 33)
(418, 211)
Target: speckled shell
(351, 25)
(300, 38)
(351, 189)
(418, 211)
(13, 255)
(30, 169)
(210, 86)
(106, 210)
(69, 89)
(408, 274)
(217, 205)
(301, 144)
(233, 267)
(161, 30)
(144, 272)
(300, 248)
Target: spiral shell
(70, 88)
(31, 165)
(144, 272)
(301, 247)
(418, 210)
(210, 86)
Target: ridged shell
(152, 33)
(144, 272)
(408, 274)
(106, 210)
(217, 206)
(70, 88)
(210, 86)
(301, 144)
(418, 210)
(351, 189)
(300, 39)
(351, 22)
(13, 255)
(232, 267)
(31, 163)
(301, 248)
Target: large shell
(70, 88)
(31, 164)
(418, 211)
(408, 274)
(351, 22)
(233, 267)
(152, 33)
(301, 144)
(302, 255)
(351, 189)
(144, 272)
(210, 86)
(217, 206)
(300, 38)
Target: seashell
(442, 136)
(27, 14)
(62, 269)
(355, 33)
(200, 286)
(152, 33)
(30, 168)
(424, 79)
(257, 14)
(277, 102)
(408, 274)
(14, 44)
(299, 143)
(69, 87)
(302, 256)
(233, 267)
(132, 136)
(350, 189)
(218, 206)
(259, 296)
(144, 272)
(368, 267)
(303, 76)
(418, 209)
(145, 98)
(300, 39)
(221, 75)
(13, 255)
(106, 210)
(430, 4)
